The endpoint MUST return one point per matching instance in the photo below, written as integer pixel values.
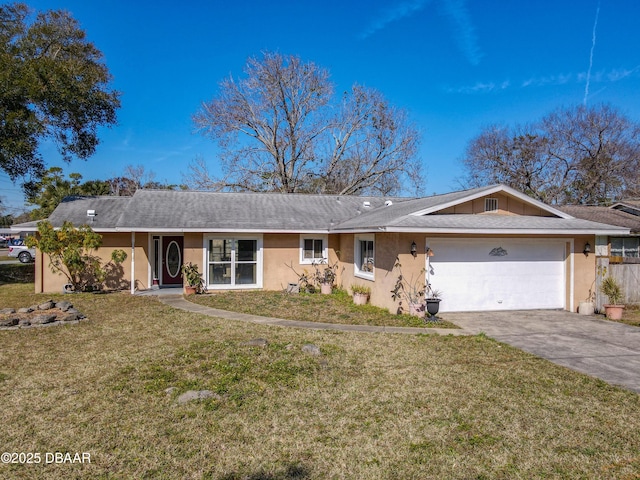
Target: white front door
(498, 274)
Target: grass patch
(17, 273)
(371, 406)
(335, 308)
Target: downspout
(133, 263)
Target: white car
(18, 249)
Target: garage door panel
(530, 275)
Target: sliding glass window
(233, 262)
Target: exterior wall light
(587, 249)
(414, 249)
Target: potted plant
(587, 306)
(433, 299)
(410, 291)
(612, 289)
(324, 275)
(193, 281)
(360, 294)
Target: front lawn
(335, 308)
(372, 406)
(17, 273)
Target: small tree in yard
(70, 253)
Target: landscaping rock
(192, 395)
(64, 306)
(48, 305)
(256, 342)
(69, 317)
(311, 349)
(43, 319)
(45, 313)
(9, 322)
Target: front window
(313, 249)
(233, 262)
(625, 247)
(364, 258)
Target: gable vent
(490, 204)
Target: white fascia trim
(220, 230)
(506, 231)
(490, 191)
(97, 230)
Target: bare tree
(517, 158)
(136, 178)
(280, 130)
(198, 176)
(573, 155)
(372, 144)
(601, 146)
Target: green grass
(630, 316)
(17, 273)
(335, 308)
(372, 406)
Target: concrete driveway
(606, 350)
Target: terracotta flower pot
(326, 288)
(360, 298)
(614, 312)
(189, 290)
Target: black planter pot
(433, 305)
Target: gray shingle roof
(74, 209)
(606, 215)
(166, 211)
(210, 211)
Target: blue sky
(454, 65)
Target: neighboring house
(489, 248)
(617, 254)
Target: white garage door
(494, 274)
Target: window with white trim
(234, 262)
(313, 248)
(364, 256)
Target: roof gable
(477, 193)
(632, 207)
